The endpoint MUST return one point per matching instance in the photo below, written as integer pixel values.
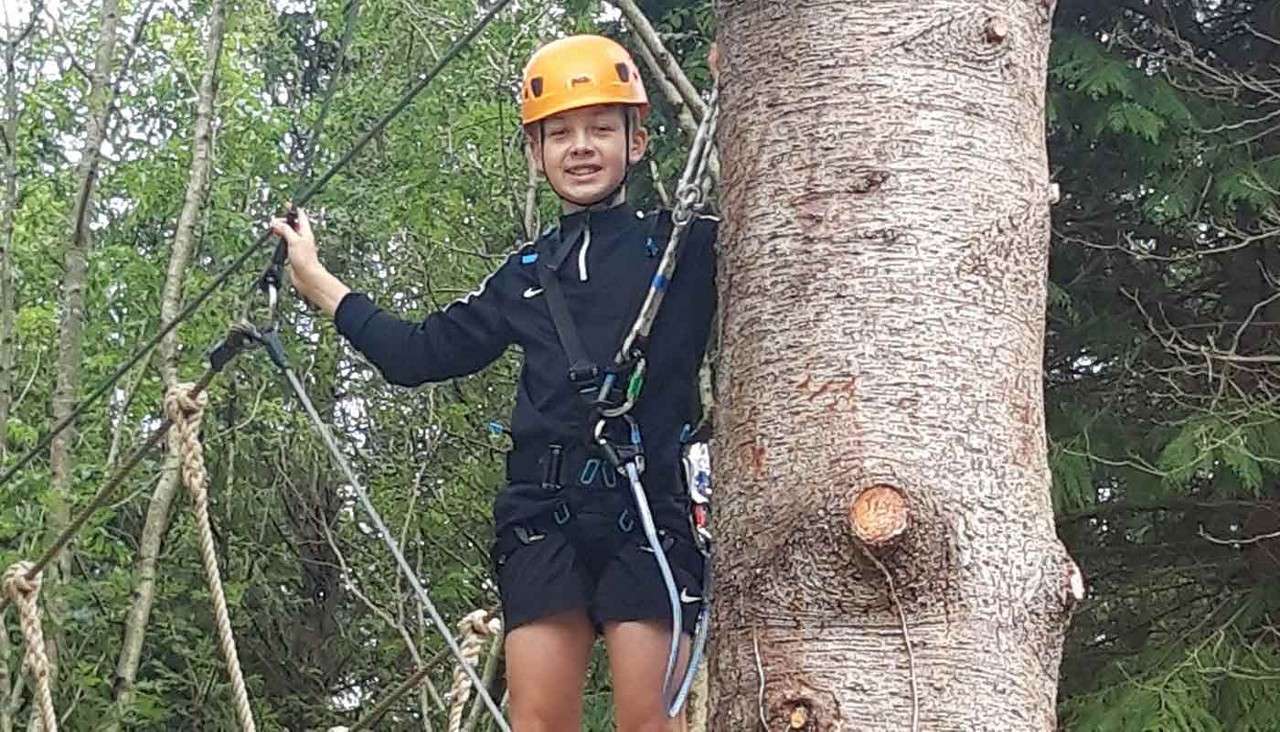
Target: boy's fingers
(304, 223)
(283, 230)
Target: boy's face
(581, 151)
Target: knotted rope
(184, 439)
(24, 591)
(473, 629)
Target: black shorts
(589, 562)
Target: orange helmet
(579, 71)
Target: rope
(474, 629)
(186, 412)
(690, 195)
(23, 587)
(300, 199)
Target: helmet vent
(535, 86)
(624, 72)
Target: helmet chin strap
(618, 193)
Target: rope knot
(474, 628)
(180, 405)
(478, 622)
(17, 584)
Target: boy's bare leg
(637, 660)
(546, 668)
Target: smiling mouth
(584, 171)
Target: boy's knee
(547, 719)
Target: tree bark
(71, 320)
(890, 557)
(159, 510)
(7, 279)
(7, 311)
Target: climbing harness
(611, 393)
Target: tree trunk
(159, 510)
(882, 456)
(7, 310)
(7, 279)
(71, 320)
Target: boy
(570, 557)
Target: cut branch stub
(799, 716)
(997, 29)
(879, 516)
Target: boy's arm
(323, 290)
(463, 338)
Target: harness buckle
(551, 469)
(562, 514)
(526, 536)
(584, 375)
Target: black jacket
(604, 279)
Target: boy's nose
(581, 145)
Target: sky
(15, 13)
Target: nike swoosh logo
(686, 597)
(532, 292)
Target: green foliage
(1162, 423)
(1223, 683)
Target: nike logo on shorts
(532, 292)
(685, 597)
